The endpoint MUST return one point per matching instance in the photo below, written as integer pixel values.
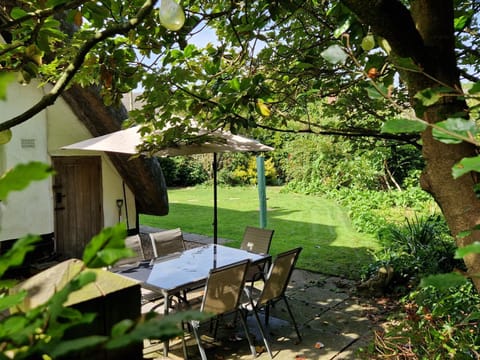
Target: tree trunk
(425, 34)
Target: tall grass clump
(419, 247)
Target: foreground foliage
(433, 324)
(40, 332)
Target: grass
(320, 226)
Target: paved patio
(333, 321)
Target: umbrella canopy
(127, 141)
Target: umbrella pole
(214, 167)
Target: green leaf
(108, 238)
(122, 327)
(339, 31)
(22, 175)
(458, 126)
(460, 22)
(466, 165)
(189, 51)
(407, 63)
(157, 328)
(65, 347)
(335, 54)
(17, 13)
(5, 79)
(111, 256)
(444, 281)
(10, 301)
(473, 248)
(431, 96)
(235, 84)
(16, 254)
(475, 88)
(12, 325)
(374, 93)
(402, 125)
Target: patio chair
(276, 284)
(164, 243)
(222, 294)
(133, 242)
(256, 240)
(167, 242)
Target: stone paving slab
(333, 323)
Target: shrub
(183, 171)
(421, 246)
(241, 169)
(435, 324)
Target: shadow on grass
(327, 248)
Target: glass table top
(188, 267)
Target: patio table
(186, 270)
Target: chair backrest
(257, 240)
(224, 288)
(167, 242)
(279, 276)
(135, 243)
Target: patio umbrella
(128, 140)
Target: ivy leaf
(402, 125)
(444, 281)
(335, 54)
(473, 248)
(459, 126)
(466, 165)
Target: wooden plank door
(77, 191)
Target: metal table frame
(189, 269)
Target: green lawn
(321, 227)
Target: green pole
(262, 196)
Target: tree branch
(393, 21)
(73, 68)
(351, 133)
(43, 13)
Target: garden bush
(241, 169)
(434, 324)
(420, 247)
(183, 171)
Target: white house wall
(31, 210)
(63, 129)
